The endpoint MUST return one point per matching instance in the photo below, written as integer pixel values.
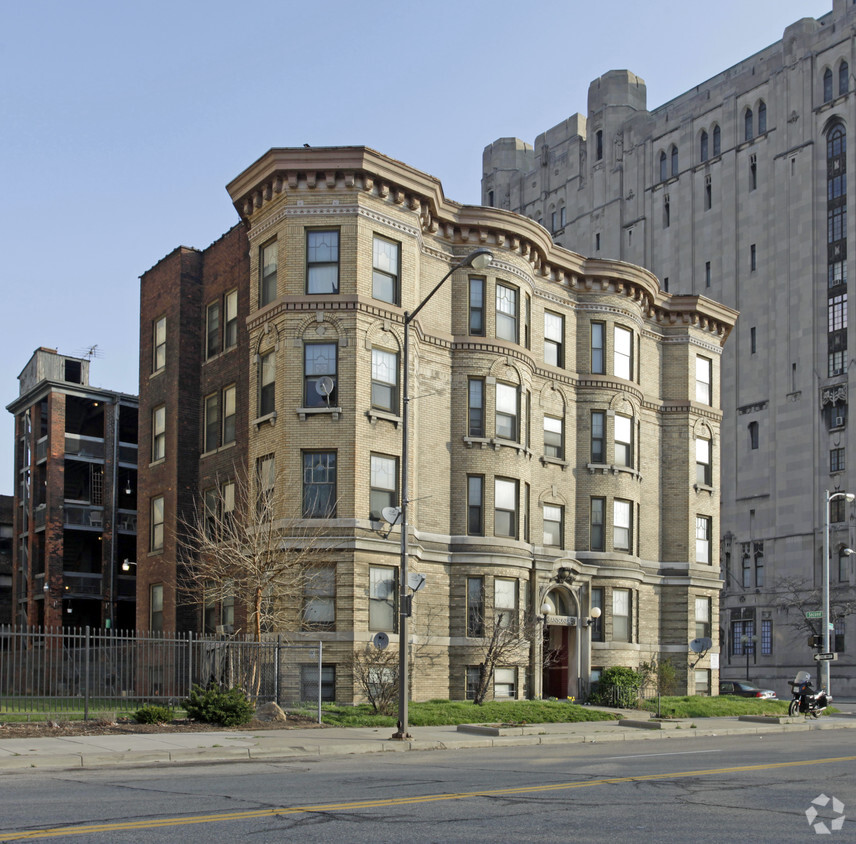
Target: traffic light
(815, 642)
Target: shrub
(151, 714)
(229, 708)
(618, 686)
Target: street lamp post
(825, 620)
(478, 259)
(746, 641)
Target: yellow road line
(57, 832)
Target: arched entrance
(556, 646)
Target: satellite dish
(381, 640)
(701, 645)
(391, 515)
(324, 385)
(415, 580)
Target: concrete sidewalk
(158, 750)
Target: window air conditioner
(839, 422)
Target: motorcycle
(806, 700)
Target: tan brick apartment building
(564, 432)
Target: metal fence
(89, 673)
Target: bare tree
(376, 670)
(237, 548)
(505, 640)
(796, 596)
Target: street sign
(822, 657)
(814, 614)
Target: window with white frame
(553, 525)
(598, 436)
(505, 508)
(385, 380)
(386, 267)
(554, 437)
(230, 319)
(212, 330)
(554, 339)
(265, 485)
(475, 505)
(159, 433)
(383, 484)
(319, 361)
(704, 473)
(598, 348)
(382, 598)
(475, 407)
(159, 344)
(267, 273)
(156, 518)
(310, 680)
(505, 602)
(702, 617)
(702, 681)
(267, 383)
(322, 261)
(476, 315)
(623, 353)
(227, 502)
(703, 380)
(475, 607)
(319, 484)
(621, 615)
(506, 313)
(702, 544)
(473, 678)
(622, 525)
(156, 608)
(505, 683)
(597, 541)
(507, 410)
(319, 599)
(229, 414)
(211, 432)
(623, 440)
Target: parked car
(737, 687)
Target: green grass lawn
(443, 712)
(716, 707)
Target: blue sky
(121, 123)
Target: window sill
(553, 461)
(303, 412)
(495, 444)
(157, 462)
(261, 420)
(611, 468)
(373, 415)
(219, 448)
(703, 488)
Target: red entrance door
(555, 673)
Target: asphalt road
(714, 789)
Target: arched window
(717, 141)
(762, 117)
(663, 163)
(674, 160)
(747, 125)
(827, 85)
(703, 146)
(843, 78)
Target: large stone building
(75, 506)
(563, 439)
(737, 190)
